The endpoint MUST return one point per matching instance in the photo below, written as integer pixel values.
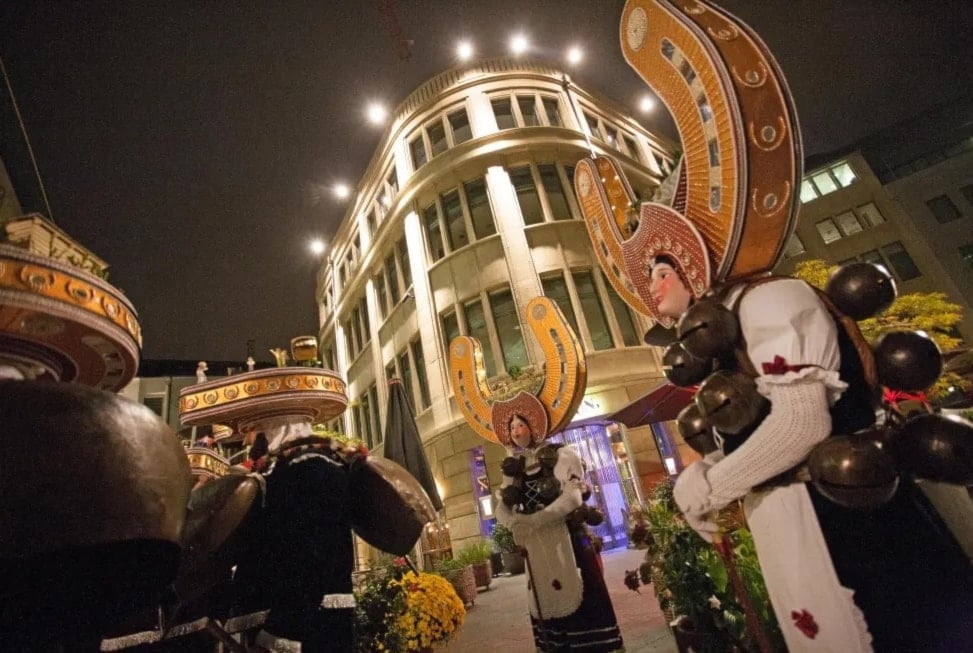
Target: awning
(659, 405)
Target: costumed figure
(287, 526)
(853, 556)
(543, 492)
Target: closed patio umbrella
(403, 444)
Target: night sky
(183, 141)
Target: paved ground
(499, 621)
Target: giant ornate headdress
(551, 408)
(736, 197)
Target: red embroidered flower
(556, 584)
(779, 366)
(804, 621)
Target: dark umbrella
(403, 444)
(660, 405)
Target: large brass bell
(682, 368)
(907, 360)
(547, 456)
(695, 430)
(935, 447)
(729, 401)
(548, 489)
(861, 290)
(511, 496)
(853, 471)
(708, 329)
(512, 467)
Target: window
(437, 137)
(829, 232)
(632, 147)
(455, 223)
(349, 340)
(623, 315)
(902, 264)
(594, 312)
(405, 370)
(402, 247)
(872, 256)
(381, 294)
(459, 123)
(450, 326)
(327, 356)
(477, 328)
(592, 124)
(870, 214)
(504, 113)
(848, 223)
(808, 192)
(556, 198)
(528, 110)
(822, 182)
(557, 290)
(553, 112)
(418, 150)
(507, 323)
(480, 212)
(966, 253)
(794, 247)
(363, 423)
(530, 201)
(376, 417)
(843, 174)
(372, 220)
(420, 364)
(392, 277)
(943, 209)
(366, 327)
(434, 235)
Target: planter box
(513, 562)
(464, 582)
(483, 573)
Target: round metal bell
(594, 516)
(547, 456)
(729, 401)
(512, 467)
(695, 430)
(708, 329)
(511, 496)
(861, 290)
(682, 368)
(907, 360)
(548, 489)
(853, 471)
(935, 447)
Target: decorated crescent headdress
(551, 408)
(736, 197)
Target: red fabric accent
(779, 366)
(804, 622)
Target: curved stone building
(464, 214)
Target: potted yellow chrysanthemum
(433, 612)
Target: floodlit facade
(903, 199)
(465, 213)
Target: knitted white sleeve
(798, 420)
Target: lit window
(556, 198)
(808, 192)
(477, 328)
(504, 113)
(434, 236)
(459, 122)
(594, 312)
(966, 253)
(437, 137)
(794, 247)
(902, 264)
(527, 196)
(611, 135)
(870, 214)
(420, 363)
(829, 232)
(848, 223)
(418, 150)
(632, 147)
(553, 112)
(592, 124)
(528, 110)
(480, 212)
(844, 174)
(507, 324)
(824, 182)
(943, 209)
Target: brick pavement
(499, 622)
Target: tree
(930, 312)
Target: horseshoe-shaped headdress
(736, 199)
(551, 408)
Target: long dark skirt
(911, 580)
(592, 627)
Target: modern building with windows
(465, 213)
(901, 198)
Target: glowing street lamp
(519, 44)
(464, 50)
(316, 246)
(341, 191)
(376, 113)
(646, 104)
(575, 55)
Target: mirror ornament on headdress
(735, 202)
(551, 408)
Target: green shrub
(479, 551)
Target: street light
(464, 50)
(376, 113)
(519, 44)
(316, 246)
(575, 55)
(646, 104)
(341, 191)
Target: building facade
(465, 213)
(902, 198)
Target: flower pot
(690, 640)
(513, 562)
(464, 582)
(483, 573)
